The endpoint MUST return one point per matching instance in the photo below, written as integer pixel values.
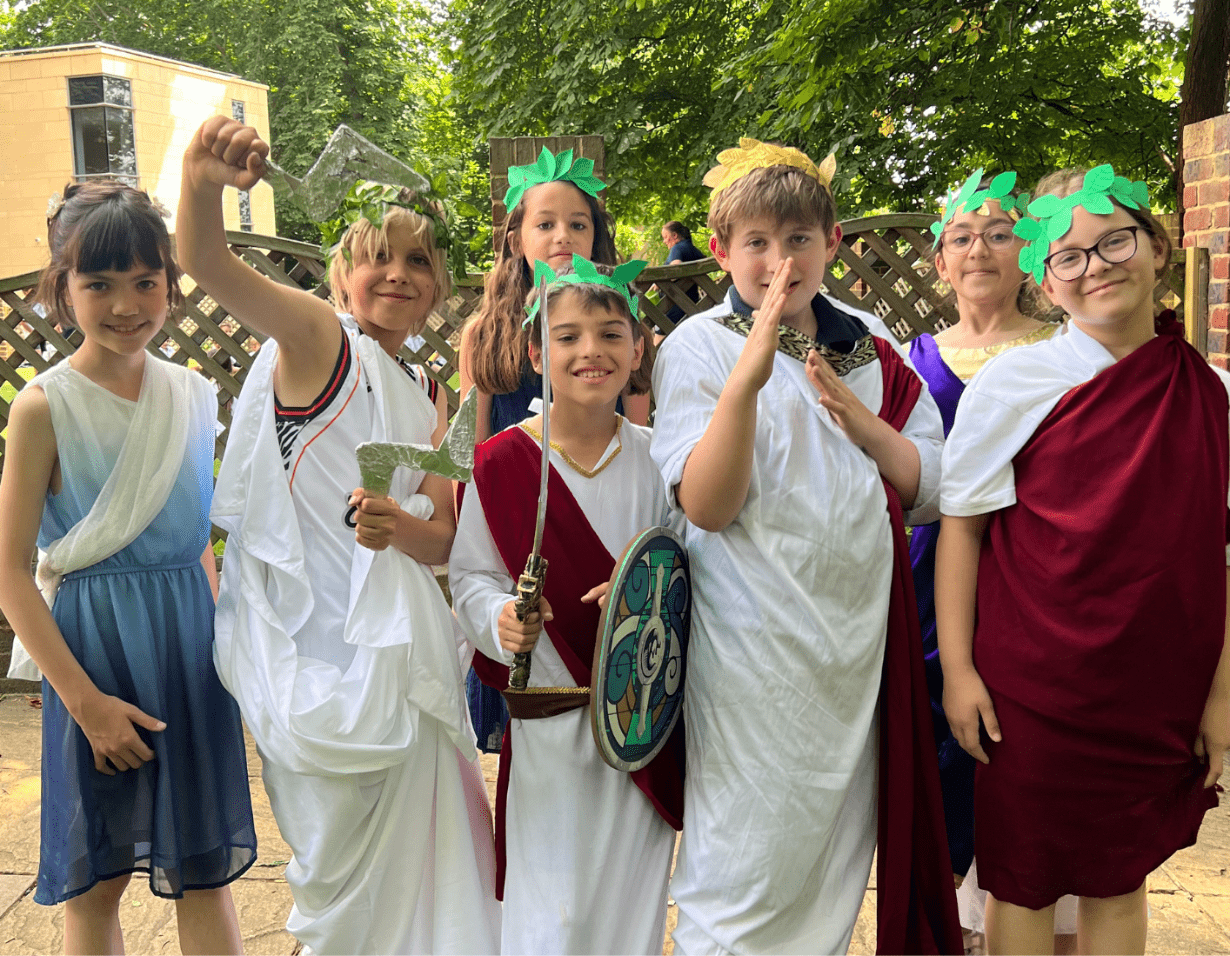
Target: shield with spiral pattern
(636, 695)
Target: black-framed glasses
(997, 238)
(1118, 245)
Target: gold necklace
(571, 462)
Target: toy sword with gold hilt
(529, 585)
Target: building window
(104, 146)
(245, 198)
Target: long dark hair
(104, 226)
(499, 347)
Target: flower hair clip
(751, 154)
(551, 168)
(585, 272)
(54, 204)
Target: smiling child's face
(756, 248)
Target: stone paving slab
(1189, 896)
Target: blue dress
(141, 625)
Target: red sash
(1101, 617)
(916, 904)
(507, 468)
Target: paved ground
(1189, 896)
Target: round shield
(636, 693)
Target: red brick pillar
(1206, 222)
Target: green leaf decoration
(1099, 205)
(969, 198)
(1098, 179)
(1099, 192)
(1001, 185)
(541, 270)
(1044, 206)
(548, 169)
(585, 272)
(1059, 224)
(1028, 229)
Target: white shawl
(306, 715)
(136, 491)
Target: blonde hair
(362, 242)
(780, 193)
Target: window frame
(132, 178)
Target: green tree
(916, 94)
(910, 95)
(638, 72)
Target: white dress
(588, 856)
(368, 756)
(788, 634)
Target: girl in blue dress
(109, 467)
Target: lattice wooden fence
(882, 266)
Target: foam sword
(529, 585)
(347, 157)
(454, 459)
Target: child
(1061, 518)
(774, 430)
(553, 214)
(343, 659)
(976, 253)
(110, 466)
(588, 848)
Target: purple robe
(956, 766)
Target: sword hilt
(529, 596)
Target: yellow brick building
(94, 110)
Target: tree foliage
(911, 95)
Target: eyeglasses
(960, 241)
(1114, 247)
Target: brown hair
(1026, 299)
(592, 296)
(363, 241)
(104, 226)
(780, 193)
(498, 343)
(1064, 182)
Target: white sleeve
(977, 466)
(925, 428)
(687, 384)
(479, 580)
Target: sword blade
(530, 584)
(541, 519)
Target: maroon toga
(1101, 618)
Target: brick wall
(1206, 218)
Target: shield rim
(601, 650)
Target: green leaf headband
(585, 272)
(970, 198)
(549, 169)
(371, 201)
(1053, 214)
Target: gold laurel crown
(734, 164)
